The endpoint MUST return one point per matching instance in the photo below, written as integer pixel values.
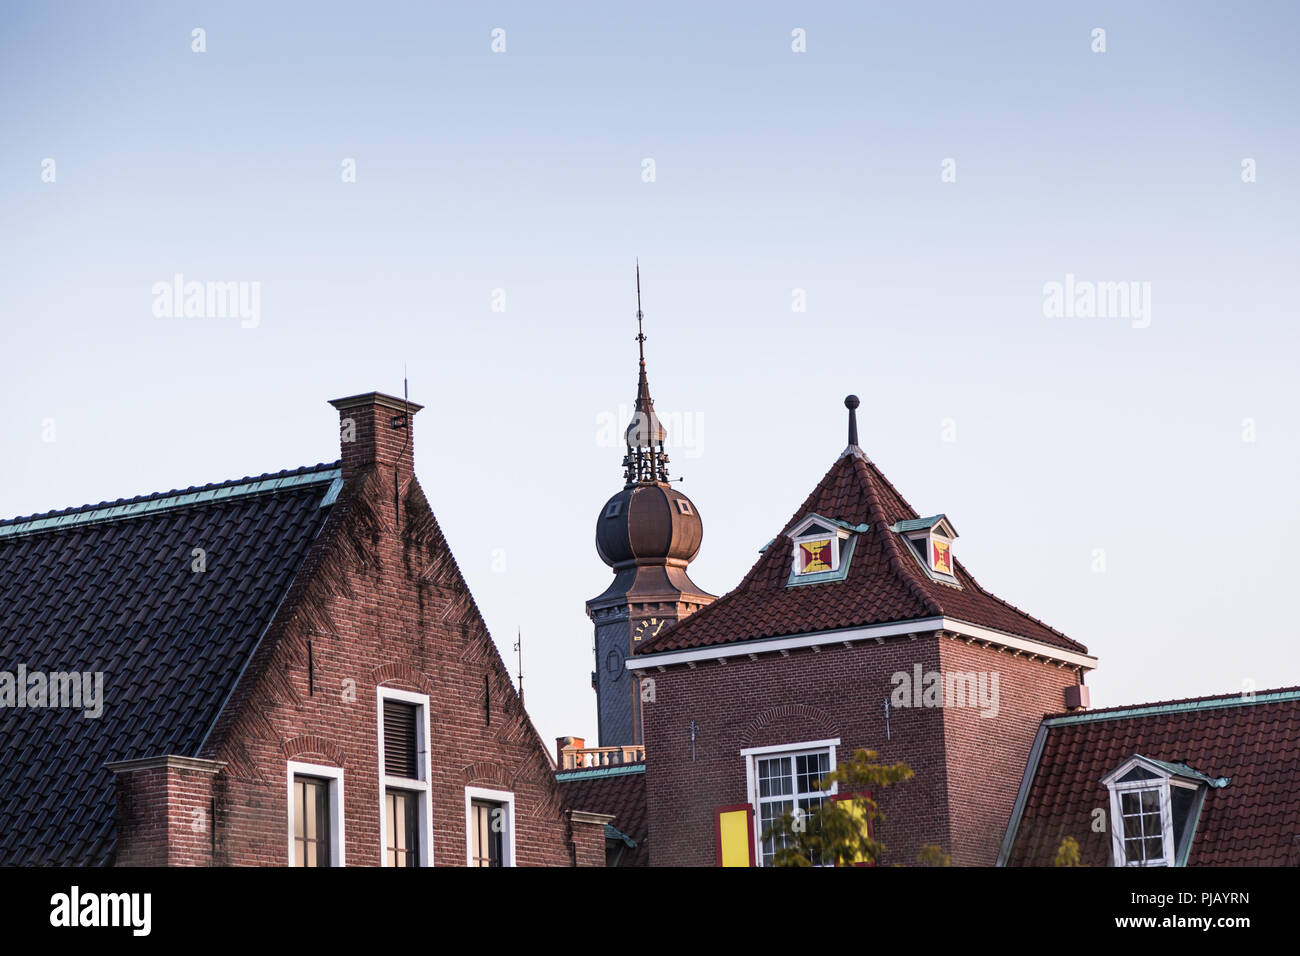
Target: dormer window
(930, 539)
(822, 549)
(1154, 806)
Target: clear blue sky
(775, 171)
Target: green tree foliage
(933, 855)
(837, 832)
(1067, 854)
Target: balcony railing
(582, 758)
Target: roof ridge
(1211, 702)
(590, 773)
(131, 507)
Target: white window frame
(507, 839)
(926, 539)
(800, 534)
(419, 786)
(930, 554)
(752, 755)
(1161, 783)
(338, 845)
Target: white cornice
(718, 652)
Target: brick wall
(381, 604)
(589, 836)
(986, 756)
(164, 811)
(967, 768)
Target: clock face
(648, 627)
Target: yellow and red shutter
(859, 807)
(734, 829)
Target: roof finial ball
(852, 403)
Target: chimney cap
(376, 398)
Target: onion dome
(649, 523)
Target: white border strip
(642, 662)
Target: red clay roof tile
(885, 582)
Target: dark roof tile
(90, 591)
(616, 790)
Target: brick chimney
(374, 428)
(566, 749)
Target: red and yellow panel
(858, 806)
(941, 556)
(735, 835)
(814, 556)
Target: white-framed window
(786, 779)
(817, 546)
(931, 541)
(489, 827)
(1152, 812)
(405, 817)
(315, 814)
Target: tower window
(684, 506)
(613, 509)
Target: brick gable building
(293, 672)
(856, 628)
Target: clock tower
(647, 533)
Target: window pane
(809, 769)
(487, 837)
(311, 822)
(299, 789)
(1150, 801)
(1132, 827)
(402, 808)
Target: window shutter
(400, 758)
(858, 809)
(735, 835)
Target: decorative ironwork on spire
(646, 460)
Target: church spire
(645, 460)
